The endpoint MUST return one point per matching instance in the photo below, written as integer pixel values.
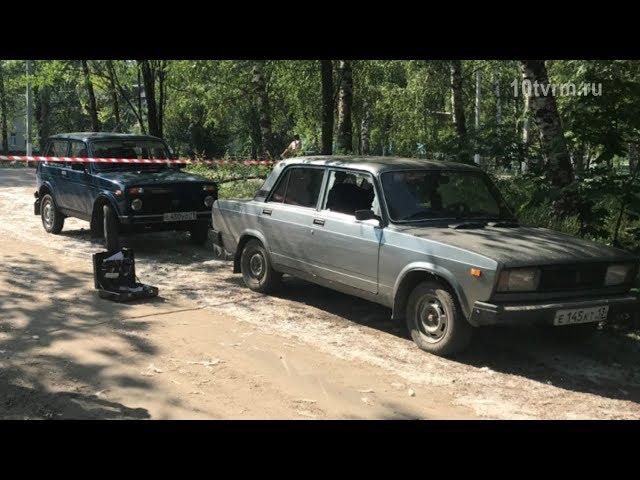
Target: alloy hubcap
(256, 265)
(48, 214)
(432, 318)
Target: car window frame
(48, 153)
(325, 193)
(70, 164)
(285, 172)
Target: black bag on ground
(114, 276)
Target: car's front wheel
(257, 272)
(199, 234)
(52, 218)
(435, 321)
(110, 229)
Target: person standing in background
(293, 149)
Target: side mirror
(362, 215)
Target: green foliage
(232, 178)
(405, 106)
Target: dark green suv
(121, 197)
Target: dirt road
(210, 348)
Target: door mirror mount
(362, 215)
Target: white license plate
(581, 315)
(179, 216)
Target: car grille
(572, 277)
(157, 201)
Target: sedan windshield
(130, 149)
(416, 195)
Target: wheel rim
(256, 266)
(432, 318)
(47, 214)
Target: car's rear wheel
(52, 218)
(110, 229)
(257, 272)
(199, 234)
(435, 321)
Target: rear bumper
(484, 313)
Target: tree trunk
(634, 156)
(498, 101)
(162, 72)
(345, 104)
(42, 112)
(92, 107)
(476, 156)
(148, 80)
(364, 129)
(545, 112)
(114, 95)
(526, 137)
(262, 105)
(4, 139)
(457, 109)
(326, 71)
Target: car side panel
(235, 218)
(288, 230)
(401, 253)
(345, 250)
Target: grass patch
(234, 180)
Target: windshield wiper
(468, 225)
(504, 224)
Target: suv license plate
(581, 315)
(179, 216)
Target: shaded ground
(508, 373)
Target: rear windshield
(151, 149)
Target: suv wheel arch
(96, 214)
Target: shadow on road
(36, 381)
(607, 365)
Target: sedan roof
(88, 136)
(375, 164)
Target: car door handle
(64, 174)
(266, 211)
(318, 221)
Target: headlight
(519, 280)
(136, 204)
(208, 201)
(619, 274)
(136, 191)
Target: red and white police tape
(25, 158)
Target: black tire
(257, 272)
(110, 229)
(199, 234)
(435, 321)
(52, 218)
(97, 223)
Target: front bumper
(484, 313)
(37, 203)
(204, 216)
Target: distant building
(16, 133)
